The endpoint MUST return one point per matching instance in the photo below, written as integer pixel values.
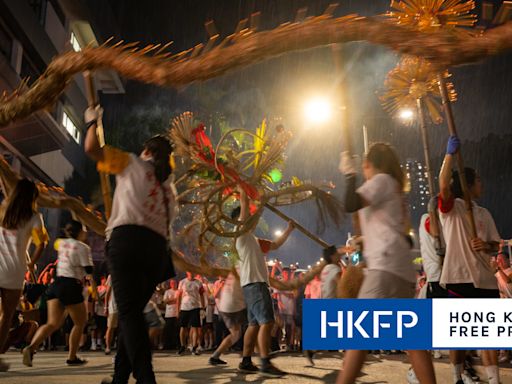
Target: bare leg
(352, 364)
(490, 357)
(194, 333)
(234, 334)
(10, 299)
(264, 336)
(56, 317)
(250, 337)
(423, 368)
(183, 337)
(78, 314)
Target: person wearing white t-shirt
(190, 302)
(255, 285)
(171, 330)
(383, 216)
(432, 262)
(286, 308)
(112, 316)
(314, 289)
(233, 311)
(65, 294)
(467, 271)
(20, 224)
(138, 235)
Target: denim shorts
(259, 303)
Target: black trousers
(219, 330)
(135, 256)
(171, 333)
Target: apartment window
(74, 42)
(39, 8)
(5, 43)
(70, 127)
(28, 70)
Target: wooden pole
(298, 226)
(345, 132)
(426, 147)
(92, 99)
(460, 162)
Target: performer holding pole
(138, 234)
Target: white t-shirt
(329, 279)
(231, 296)
(461, 264)
(314, 289)
(99, 305)
(286, 302)
(138, 199)
(191, 291)
(432, 263)
(112, 306)
(382, 225)
(253, 263)
(504, 287)
(73, 257)
(171, 310)
(14, 245)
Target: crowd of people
(139, 306)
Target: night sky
(277, 87)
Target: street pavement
(49, 368)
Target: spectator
(100, 316)
(112, 318)
(190, 302)
(171, 330)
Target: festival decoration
(154, 65)
(431, 16)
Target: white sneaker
(438, 354)
(466, 379)
(411, 377)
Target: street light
(317, 110)
(406, 114)
(278, 233)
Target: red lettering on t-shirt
(446, 206)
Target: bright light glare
(278, 232)
(318, 110)
(406, 114)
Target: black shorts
(101, 322)
(469, 291)
(67, 290)
(435, 291)
(190, 318)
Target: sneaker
(196, 351)
(76, 361)
(181, 351)
(271, 371)
(503, 358)
(470, 372)
(309, 356)
(4, 367)
(107, 351)
(248, 368)
(93, 347)
(411, 377)
(216, 361)
(438, 354)
(27, 356)
(466, 379)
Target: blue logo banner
(367, 324)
